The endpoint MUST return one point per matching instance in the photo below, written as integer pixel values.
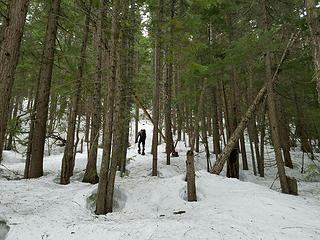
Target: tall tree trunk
(45, 75)
(314, 27)
(129, 79)
(156, 89)
(108, 117)
(91, 175)
(252, 128)
(119, 121)
(273, 112)
(9, 56)
(233, 162)
(168, 91)
(68, 156)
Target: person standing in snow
(142, 139)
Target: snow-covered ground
(145, 206)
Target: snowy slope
(145, 205)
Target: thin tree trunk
(215, 123)
(205, 137)
(262, 136)
(156, 89)
(9, 56)
(91, 175)
(252, 157)
(243, 153)
(45, 75)
(14, 125)
(70, 151)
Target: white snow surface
(145, 205)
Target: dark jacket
(142, 134)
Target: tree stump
(191, 184)
(293, 186)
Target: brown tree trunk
(284, 134)
(9, 56)
(243, 153)
(69, 152)
(205, 137)
(168, 91)
(215, 123)
(130, 38)
(45, 75)
(108, 118)
(119, 121)
(191, 183)
(233, 161)
(156, 89)
(262, 136)
(252, 128)
(273, 113)
(91, 175)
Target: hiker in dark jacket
(142, 139)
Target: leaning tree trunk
(314, 26)
(68, 159)
(9, 55)
(273, 120)
(218, 165)
(44, 82)
(91, 175)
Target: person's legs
(143, 145)
(139, 150)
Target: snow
(145, 206)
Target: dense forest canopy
(77, 72)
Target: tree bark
(69, 152)
(119, 121)
(215, 123)
(108, 118)
(284, 133)
(45, 75)
(156, 89)
(191, 184)
(9, 56)
(91, 175)
(273, 113)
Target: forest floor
(145, 206)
